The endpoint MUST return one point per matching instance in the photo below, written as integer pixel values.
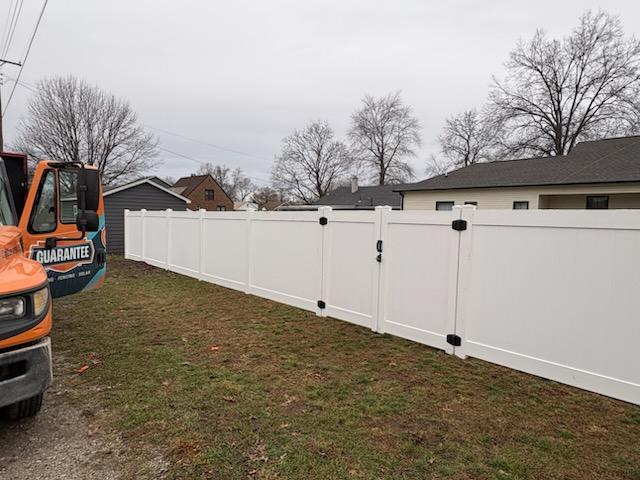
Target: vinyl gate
(553, 293)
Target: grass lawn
(230, 386)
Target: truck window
(6, 212)
(68, 195)
(43, 218)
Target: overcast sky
(243, 74)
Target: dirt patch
(67, 441)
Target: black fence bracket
(459, 225)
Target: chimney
(354, 184)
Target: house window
(208, 194)
(471, 203)
(597, 202)
(444, 206)
(221, 208)
(521, 205)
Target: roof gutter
(521, 185)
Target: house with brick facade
(204, 192)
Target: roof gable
(145, 180)
(190, 183)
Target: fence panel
(419, 274)
(184, 243)
(285, 257)
(350, 270)
(552, 293)
(225, 243)
(555, 294)
(133, 235)
(155, 238)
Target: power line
(11, 30)
(195, 140)
(202, 162)
(22, 84)
(5, 29)
(35, 89)
(26, 55)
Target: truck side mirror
(87, 221)
(88, 189)
(88, 196)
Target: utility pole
(2, 62)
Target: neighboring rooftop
(612, 160)
(189, 184)
(152, 178)
(153, 181)
(362, 198)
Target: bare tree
(384, 134)
(559, 92)
(437, 166)
(311, 163)
(470, 137)
(263, 196)
(69, 120)
(233, 181)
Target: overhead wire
(202, 162)
(12, 29)
(5, 28)
(34, 89)
(7, 24)
(26, 55)
(195, 140)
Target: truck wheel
(25, 408)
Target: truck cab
(52, 243)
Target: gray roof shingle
(363, 198)
(611, 160)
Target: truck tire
(25, 408)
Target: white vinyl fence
(550, 292)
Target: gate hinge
(321, 304)
(459, 225)
(323, 220)
(454, 340)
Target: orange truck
(52, 243)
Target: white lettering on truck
(66, 254)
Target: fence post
(249, 256)
(143, 214)
(168, 225)
(464, 266)
(127, 232)
(201, 245)
(324, 258)
(381, 227)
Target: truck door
(74, 262)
